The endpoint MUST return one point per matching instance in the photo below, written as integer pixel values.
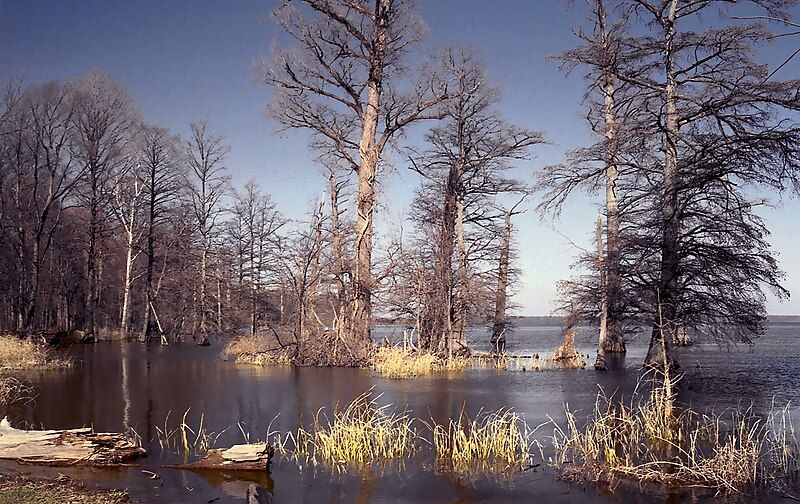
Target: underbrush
(653, 441)
(396, 363)
(20, 354)
(257, 349)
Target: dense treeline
(115, 226)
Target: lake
(115, 386)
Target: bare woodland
(121, 228)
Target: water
(121, 385)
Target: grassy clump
(359, 435)
(396, 363)
(651, 441)
(20, 354)
(257, 349)
(492, 442)
(22, 490)
(12, 390)
(186, 440)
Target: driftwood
(82, 447)
(242, 457)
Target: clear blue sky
(186, 60)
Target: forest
(119, 228)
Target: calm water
(117, 386)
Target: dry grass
(21, 354)
(185, 440)
(493, 442)
(651, 441)
(257, 349)
(12, 390)
(396, 363)
(358, 436)
(508, 362)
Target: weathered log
(257, 495)
(241, 457)
(82, 447)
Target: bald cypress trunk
(499, 327)
(663, 336)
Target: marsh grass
(360, 435)
(22, 354)
(510, 362)
(185, 440)
(397, 363)
(497, 442)
(654, 441)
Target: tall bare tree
(466, 165)
(160, 159)
(103, 121)
(208, 184)
(340, 81)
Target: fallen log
(82, 447)
(241, 457)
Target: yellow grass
(653, 442)
(360, 435)
(395, 363)
(492, 442)
(20, 354)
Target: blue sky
(188, 60)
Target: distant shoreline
(550, 321)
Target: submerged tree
(703, 121)
(607, 165)
(340, 81)
(465, 169)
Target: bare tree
(102, 123)
(499, 323)
(208, 184)
(466, 164)
(127, 205)
(260, 223)
(340, 82)
(161, 170)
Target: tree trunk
(151, 223)
(203, 339)
(499, 328)
(603, 343)
(660, 353)
(367, 170)
(459, 333)
(126, 290)
(613, 310)
(91, 260)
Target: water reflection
(117, 386)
